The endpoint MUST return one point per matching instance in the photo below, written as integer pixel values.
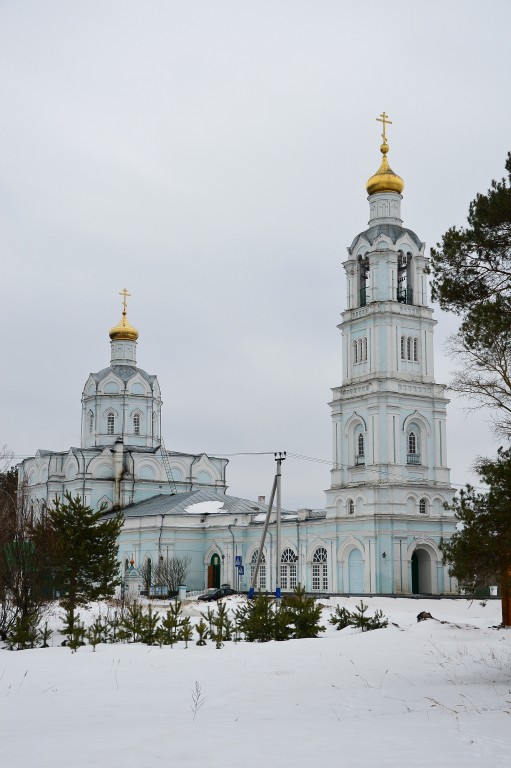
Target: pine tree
(303, 613)
(222, 626)
(367, 623)
(132, 627)
(76, 637)
(202, 630)
(85, 553)
(341, 618)
(479, 552)
(150, 622)
(256, 619)
(186, 631)
(172, 624)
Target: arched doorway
(421, 573)
(214, 572)
(355, 571)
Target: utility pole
(279, 458)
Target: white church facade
(385, 510)
(121, 459)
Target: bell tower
(390, 470)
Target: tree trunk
(505, 593)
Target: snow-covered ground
(414, 694)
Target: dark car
(216, 594)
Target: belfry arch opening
(422, 567)
(404, 278)
(364, 282)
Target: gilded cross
(383, 118)
(124, 293)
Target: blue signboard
(241, 570)
(238, 561)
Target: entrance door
(356, 571)
(422, 572)
(214, 572)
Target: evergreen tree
(472, 276)
(256, 620)
(222, 626)
(341, 618)
(303, 613)
(479, 553)
(85, 553)
(172, 624)
(150, 622)
(472, 265)
(202, 630)
(186, 631)
(132, 623)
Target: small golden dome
(123, 330)
(385, 180)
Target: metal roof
(394, 231)
(123, 372)
(176, 505)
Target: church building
(384, 517)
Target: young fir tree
(186, 631)
(202, 630)
(132, 623)
(84, 554)
(222, 626)
(479, 553)
(256, 620)
(150, 623)
(341, 618)
(172, 624)
(367, 623)
(303, 613)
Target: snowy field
(410, 695)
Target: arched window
(364, 353)
(91, 422)
(351, 507)
(413, 442)
(261, 576)
(288, 569)
(320, 570)
(409, 348)
(110, 424)
(136, 423)
(126, 565)
(416, 350)
(355, 352)
(360, 444)
(423, 506)
(403, 347)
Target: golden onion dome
(385, 180)
(123, 330)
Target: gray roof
(124, 372)
(176, 504)
(394, 231)
(317, 514)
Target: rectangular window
(315, 577)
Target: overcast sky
(211, 156)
